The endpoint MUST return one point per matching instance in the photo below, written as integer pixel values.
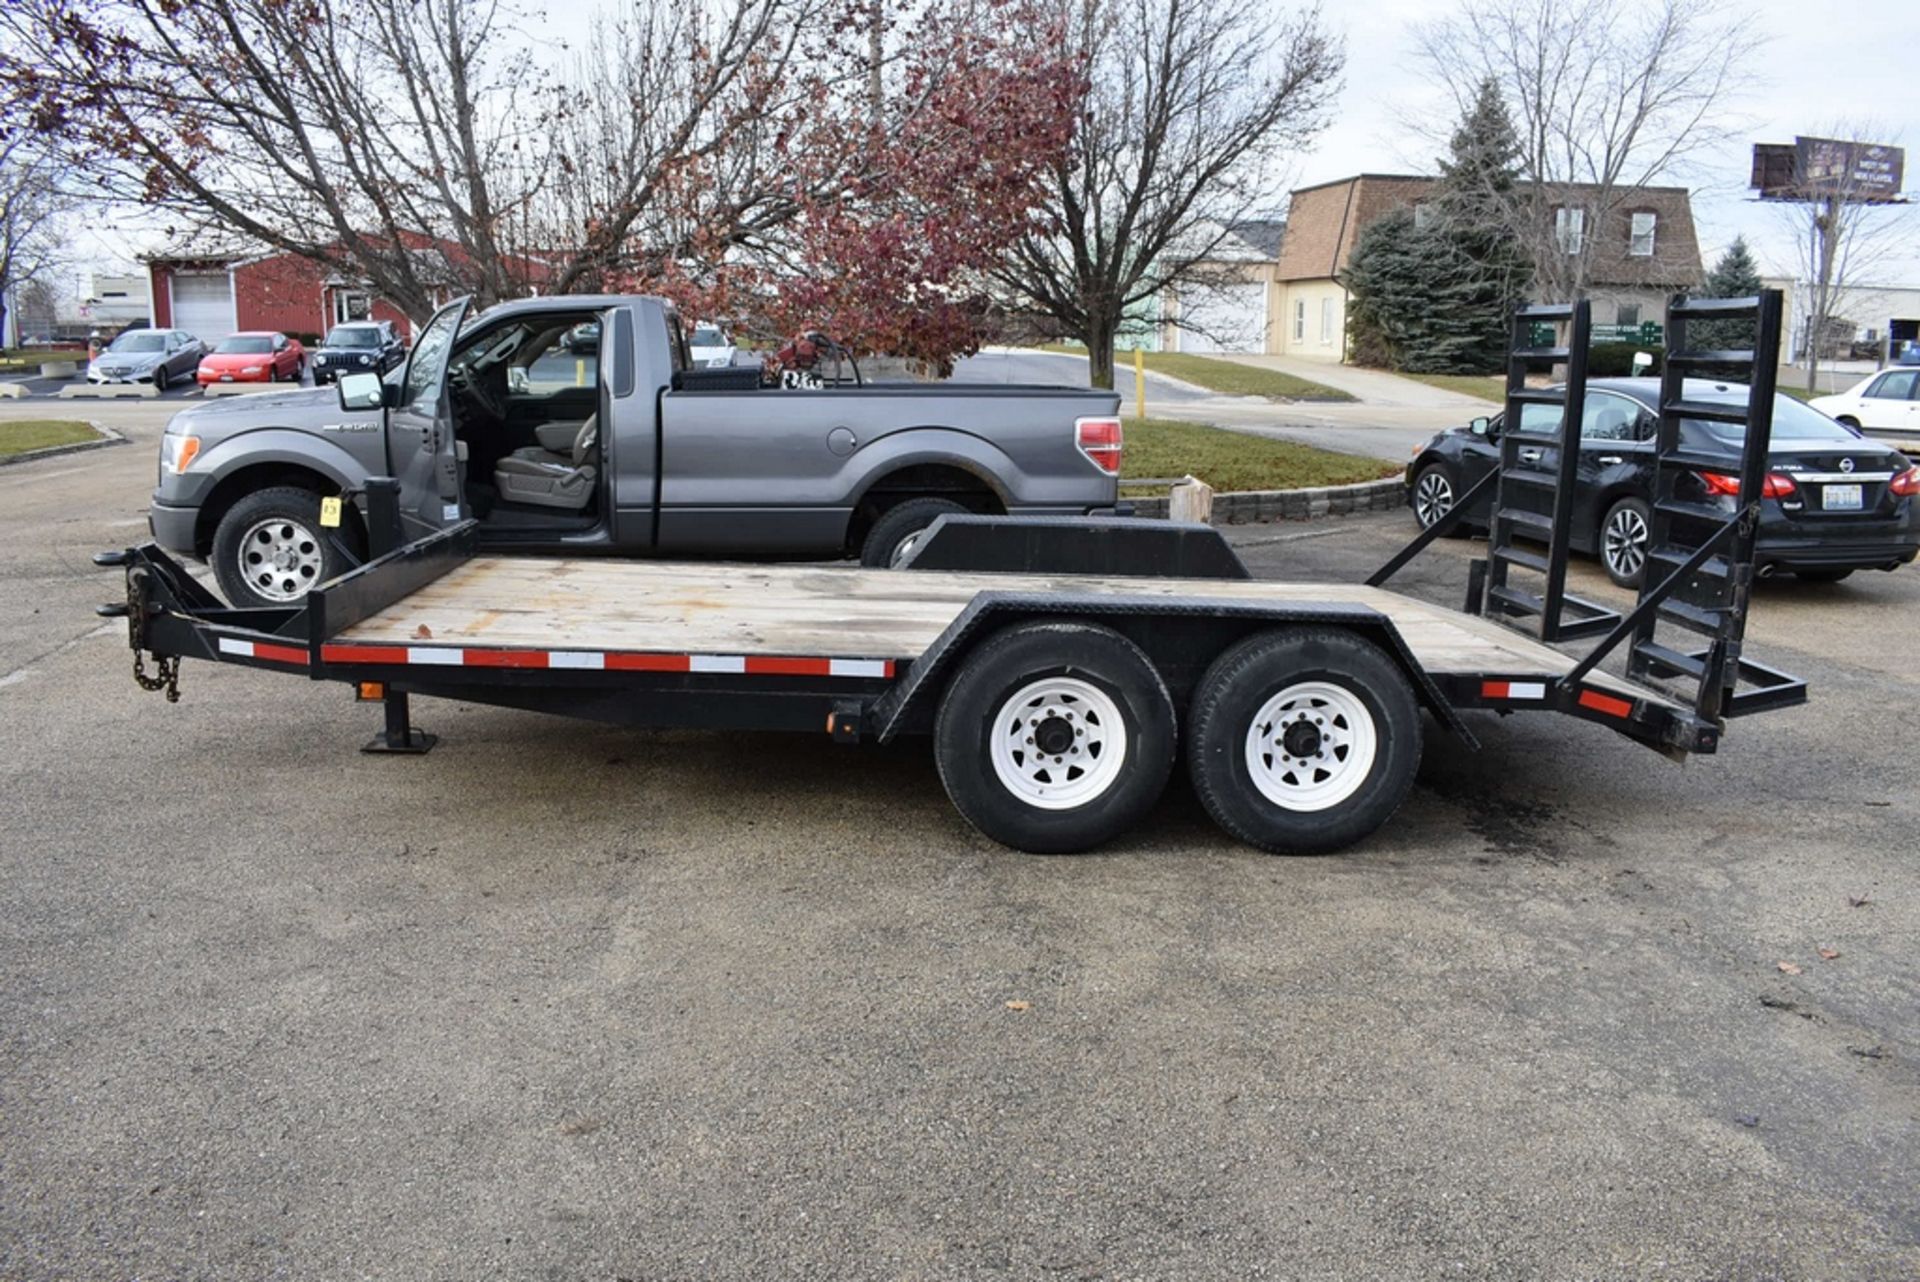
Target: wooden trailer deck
(727, 609)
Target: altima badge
(1846, 465)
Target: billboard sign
(1814, 168)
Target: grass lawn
(39, 433)
(1159, 447)
(1228, 377)
(1488, 387)
(1798, 393)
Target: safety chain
(166, 667)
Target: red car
(258, 356)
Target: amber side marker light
(371, 691)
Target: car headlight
(366, 360)
(251, 369)
(178, 452)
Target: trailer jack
(399, 735)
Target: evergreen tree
(1734, 276)
(1435, 294)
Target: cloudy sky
(1816, 69)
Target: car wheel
(270, 548)
(1435, 490)
(897, 532)
(1303, 740)
(1624, 535)
(1848, 420)
(1055, 737)
(1821, 575)
(160, 380)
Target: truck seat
(548, 478)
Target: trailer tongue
(1056, 663)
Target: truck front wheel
(270, 548)
(1055, 737)
(1303, 741)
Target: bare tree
(418, 146)
(1845, 234)
(31, 209)
(1191, 109)
(1607, 100)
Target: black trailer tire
(891, 535)
(289, 551)
(1348, 712)
(1076, 687)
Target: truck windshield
(245, 344)
(707, 336)
(353, 336)
(147, 342)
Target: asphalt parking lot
(562, 1001)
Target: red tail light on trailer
(1100, 439)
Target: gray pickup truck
(628, 450)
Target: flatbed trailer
(1058, 664)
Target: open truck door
(421, 451)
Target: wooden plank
(719, 608)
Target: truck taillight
(1907, 483)
(1100, 440)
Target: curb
(1246, 507)
(107, 437)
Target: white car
(709, 347)
(1885, 404)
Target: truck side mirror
(361, 392)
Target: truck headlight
(178, 452)
(366, 360)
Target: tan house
(1647, 250)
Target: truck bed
(724, 611)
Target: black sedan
(363, 347)
(1834, 501)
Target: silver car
(157, 356)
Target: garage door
(1232, 318)
(203, 305)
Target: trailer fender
(910, 703)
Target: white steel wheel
(1058, 743)
(1311, 746)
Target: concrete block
(241, 389)
(109, 391)
(12, 391)
(59, 369)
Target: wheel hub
(1301, 739)
(1053, 736)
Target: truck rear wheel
(1055, 737)
(1303, 741)
(893, 536)
(270, 548)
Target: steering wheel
(476, 391)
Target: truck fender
(909, 447)
(284, 447)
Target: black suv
(361, 347)
(1834, 501)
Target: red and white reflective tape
(1612, 706)
(263, 650)
(1513, 690)
(752, 665)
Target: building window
(1641, 245)
(350, 306)
(1628, 315)
(1570, 229)
(1422, 215)
(1326, 320)
(1299, 320)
